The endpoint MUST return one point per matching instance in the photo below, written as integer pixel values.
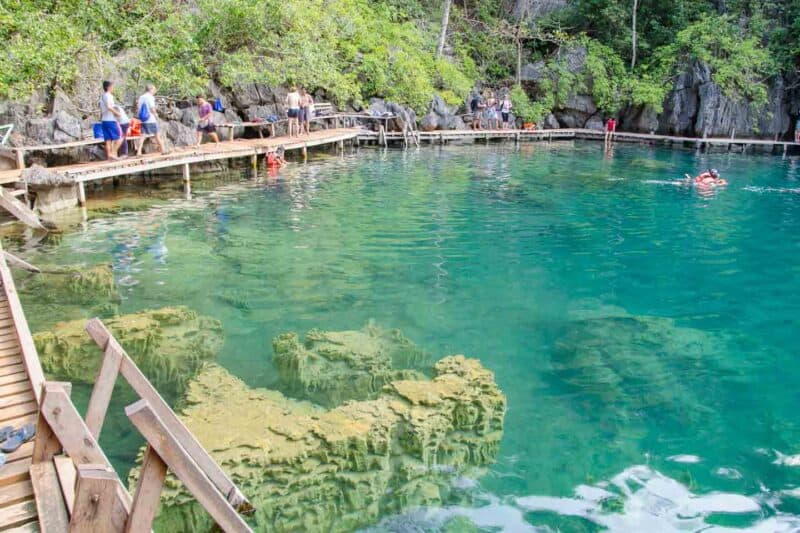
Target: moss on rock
(329, 367)
(307, 468)
(168, 344)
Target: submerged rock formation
(169, 345)
(305, 468)
(330, 367)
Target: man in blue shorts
(147, 113)
(112, 134)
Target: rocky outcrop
(330, 367)
(440, 116)
(306, 468)
(167, 344)
(403, 115)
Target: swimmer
(709, 178)
(275, 158)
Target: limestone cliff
(329, 367)
(307, 468)
(168, 344)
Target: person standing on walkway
(475, 109)
(797, 131)
(306, 110)
(293, 113)
(108, 120)
(124, 126)
(206, 122)
(146, 112)
(491, 112)
(505, 110)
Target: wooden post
(341, 146)
(101, 392)
(254, 163)
(305, 152)
(148, 493)
(97, 506)
(516, 138)
(171, 451)
(441, 137)
(81, 193)
(20, 158)
(230, 133)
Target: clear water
(645, 333)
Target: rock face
(168, 345)
(330, 367)
(440, 116)
(403, 115)
(305, 468)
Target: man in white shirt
(146, 112)
(112, 134)
(293, 103)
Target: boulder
(40, 130)
(533, 72)
(551, 122)
(329, 367)
(440, 116)
(169, 345)
(307, 468)
(67, 128)
(403, 115)
(177, 134)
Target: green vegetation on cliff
(355, 49)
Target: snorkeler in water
(709, 178)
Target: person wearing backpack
(146, 112)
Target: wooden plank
(13, 259)
(8, 343)
(67, 477)
(15, 388)
(19, 210)
(14, 472)
(30, 358)
(21, 421)
(50, 507)
(171, 451)
(18, 410)
(15, 493)
(13, 378)
(17, 514)
(148, 493)
(13, 369)
(30, 527)
(11, 360)
(97, 506)
(23, 452)
(16, 399)
(101, 392)
(146, 391)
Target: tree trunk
(443, 32)
(519, 61)
(633, 34)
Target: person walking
(146, 112)
(293, 112)
(306, 110)
(206, 122)
(108, 121)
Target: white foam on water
(684, 458)
(677, 183)
(786, 460)
(637, 499)
(730, 473)
(782, 190)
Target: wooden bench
(323, 109)
(231, 126)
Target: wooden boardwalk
(18, 406)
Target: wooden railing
(94, 497)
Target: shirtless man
(293, 105)
(709, 178)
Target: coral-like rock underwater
(306, 467)
(169, 345)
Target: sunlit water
(645, 333)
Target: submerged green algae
(169, 345)
(309, 468)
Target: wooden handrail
(30, 358)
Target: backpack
(144, 112)
(218, 107)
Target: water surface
(644, 332)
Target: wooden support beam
(20, 158)
(81, 193)
(254, 163)
(19, 210)
(148, 493)
(101, 392)
(67, 478)
(97, 506)
(169, 448)
(13, 259)
(98, 331)
(186, 174)
(50, 506)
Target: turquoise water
(644, 332)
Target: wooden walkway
(18, 406)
